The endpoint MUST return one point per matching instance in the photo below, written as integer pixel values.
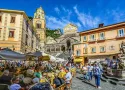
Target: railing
(101, 39)
(117, 37)
(92, 41)
(62, 87)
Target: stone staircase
(63, 55)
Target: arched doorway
(68, 44)
(63, 48)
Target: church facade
(65, 42)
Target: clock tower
(39, 24)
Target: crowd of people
(36, 76)
(92, 70)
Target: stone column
(55, 48)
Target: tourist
(68, 78)
(56, 81)
(84, 70)
(38, 73)
(36, 79)
(97, 74)
(15, 85)
(5, 78)
(90, 72)
(62, 73)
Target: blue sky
(86, 14)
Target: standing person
(91, 72)
(68, 78)
(84, 70)
(97, 74)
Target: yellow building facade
(16, 31)
(100, 43)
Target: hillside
(53, 33)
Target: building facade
(100, 43)
(16, 32)
(65, 42)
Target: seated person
(30, 72)
(62, 73)
(15, 85)
(36, 79)
(38, 73)
(41, 86)
(56, 81)
(5, 78)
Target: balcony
(84, 40)
(92, 41)
(101, 39)
(102, 51)
(120, 37)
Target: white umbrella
(60, 60)
(52, 58)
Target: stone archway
(63, 48)
(68, 43)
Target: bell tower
(39, 24)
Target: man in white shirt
(68, 78)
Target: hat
(27, 80)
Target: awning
(44, 58)
(8, 54)
(78, 59)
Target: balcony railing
(84, 52)
(102, 51)
(93, 52)
(120, 37)
(101, 39)
(92, 41)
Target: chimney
(101, 25)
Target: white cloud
(78, 24)
(57, 10)
(54, 23)
(86, 19)
(118, 15)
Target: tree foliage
(52, 33)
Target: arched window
(38, 24)
(58, 49)
(39, 16)
(52, 49)
(63, 48)
(48, 49)
(68, 44)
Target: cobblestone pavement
(79, 85)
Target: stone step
(113, 78)
(90, 83)
(104, 79)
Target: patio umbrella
(9, 54)
(37, 54)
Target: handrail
(61, 87)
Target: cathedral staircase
(63, 55)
